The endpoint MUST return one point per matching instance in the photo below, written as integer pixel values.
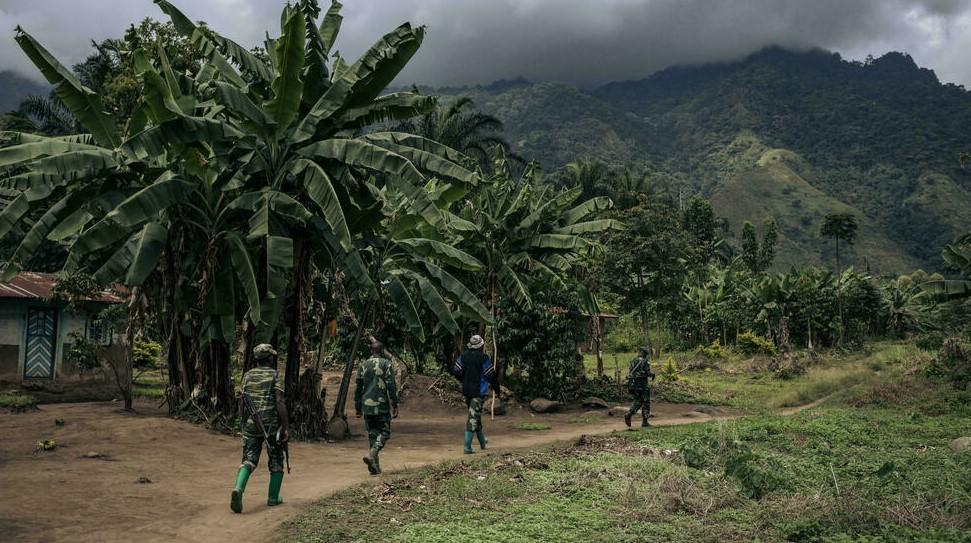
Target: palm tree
(840, 226)
(456, 125)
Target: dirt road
(64, 495)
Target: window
(98, 333)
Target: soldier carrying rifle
(265, 419)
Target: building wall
(13, 336)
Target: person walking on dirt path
(475, 371)
(638, 384)
(265, 419)
(376, 399)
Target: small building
(36, 333)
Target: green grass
(739, 382)
(17, 401)
(839, 474)
(530, 426)
(149, 386)
(871, 464)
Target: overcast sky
(577, 41)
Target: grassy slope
(779, 185)
(873, 466)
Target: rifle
(271, 442)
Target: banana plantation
(253, 196)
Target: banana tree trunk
(299, 296)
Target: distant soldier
(376, 399)
(264, 410)
(475, 371)
(638, 384)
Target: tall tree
(840, 226)
(230, 180)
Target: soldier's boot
(371, 460)
(276, 481)
(377, 463)
(483, 441)
(468, 443)
(627, 418)
(236, 501)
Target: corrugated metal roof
(38, 286)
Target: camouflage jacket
(262, 386)
(376, 390)
(640, 373)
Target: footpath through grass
(872, 464)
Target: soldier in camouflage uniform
(638, 384)
(475, 371)
(376, 399)
(265, 390)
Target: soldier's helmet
(644, 351)
(263, 350)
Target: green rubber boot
(236, 501)
(468, 443)
(483, 441)
(276, 481)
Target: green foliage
(714, 351)
(540, 341)
(625, 334)
(953, 363)
(669, 371)
(83, 353)
(17, 401)
(146, 355)
(751, 344)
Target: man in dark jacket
(638, 384)
(475, 371)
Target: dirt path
(64, 496)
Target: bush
(146, 355)
(751, 344)
(83, 353)
(930, 341)
(715, 351)
(670, 370)
(953, 363)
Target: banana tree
(525, 234)
(263, 146)
(411, 264)
(958, 257)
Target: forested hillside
(788, 134)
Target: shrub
(625, 335)
(953, 363)
(751, 344)
(670, 370)
(83, 353)
(714, 351)
(146, 355)
(930, 341)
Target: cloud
(577, 41)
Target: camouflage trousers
(642, 402)
(253, 445)
(474, 422)
(378, 430)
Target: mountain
(792, 134)
(14, 88)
